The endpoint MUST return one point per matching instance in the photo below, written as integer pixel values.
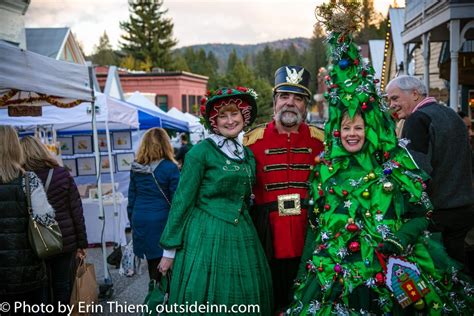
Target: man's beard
(289, 117)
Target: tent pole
(99, 182)
(112, 179)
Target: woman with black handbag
(23, 274)
(64, 197)
(153, 180)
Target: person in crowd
(64, 197)
(185, 146)
(284, 151)
(23, 274)
(438, 141)
(153, 180)
(218, 257)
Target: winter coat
(21, 270)
(66, 201)
(147, 207)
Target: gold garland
(42, 97)
(340, 16)
(7, 96)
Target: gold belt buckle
(289, 204)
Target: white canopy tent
(196, 129)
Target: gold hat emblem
(292, 76)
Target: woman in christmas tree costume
(219, 259)
(368, 250)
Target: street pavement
(127, 291)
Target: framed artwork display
(70, 165)
(66, 145)
(124, 161)
(122, 140)
(86, 166)
(105, 164)
(102, 139)
(83, 144)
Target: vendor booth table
(94, 224)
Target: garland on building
(368, 249)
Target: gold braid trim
(316, 133)
(253, 135)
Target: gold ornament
(388, 186)
(366, 194)
(367, 214)
(420, 304)
(330, 168)
(372, 175)
(366, 179)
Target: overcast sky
(195, 21)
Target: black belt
(273, 206)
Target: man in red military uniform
(284, 151)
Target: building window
(162, 102)
(184, 103)
(192, 103)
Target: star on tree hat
(292, 79)
(244, 98)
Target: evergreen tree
(148, 35)
(103, 52)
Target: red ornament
(371, 99)
(356, 62)
(386, 155)
(364, 107)
(320, 269)
(331, 190)
(219, 92)
(309, 266)
(321, 192)
(208, 93)
(203, 101)
(316, 174)
(354, 246)
(327, 207)
(203, 109)
(363, 73)
(337, 134)
(242, 89)
(345, 193)
(352, 228)
(380, 279)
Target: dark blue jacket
(147, 207)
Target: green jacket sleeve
(183, 201)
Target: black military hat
(293, 79)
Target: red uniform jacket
(284, 162)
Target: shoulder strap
(48, 180)
(28, 194)
(157, 184)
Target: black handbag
(115, 256)
(46, 240)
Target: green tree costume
(368, 250)
(219, 258)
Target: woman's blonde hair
(37, 156)
(155, 145)
(11, 155)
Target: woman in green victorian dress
(209, 240)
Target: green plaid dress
(219, 258)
